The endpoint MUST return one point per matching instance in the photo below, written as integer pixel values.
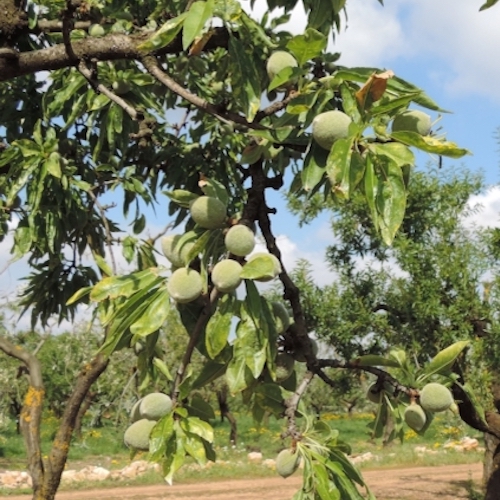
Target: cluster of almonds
(186, 284)
(330, 126)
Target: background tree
(428, 290)
(181, 98)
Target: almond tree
(107, 103)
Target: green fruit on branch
(415, 417)
(208, 212)
(155, 406)
(284, 366)
(135, 414)
(330, 126)
(226, 275)
(96, 30)
(174, 251)
(374, 393)
(185, 285)
(137, 435)
(278, 61)
(121, 87)
(240, 240)
(276, 264)
(412, 121)
(287, 462)
(281, 317)
(435, 397)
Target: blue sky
(446, 47)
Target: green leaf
(307, 46)
(103, 265)
(198, 407)
(217, 332)
(338, 166)
(430, 144)
(488, 4)
(161, 433)
(270, 398)
(182, 197)
(79, 295)
(400, 154)
(313, 170)
(162, 368)
(211, 371)
(53, 165)
(371, 189)
(302, 103)
(124, 286)
(154, 316)
(375, 360)
(263, 266)
(237, 375)
(165, 34)
(195, 425)
(391, 200)
(443, 360)
(245, 80)
(214, 188)
(197, 16)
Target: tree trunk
(226, 413)
(46, 473)
(491, 467)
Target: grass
(104, 447)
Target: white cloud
(484, 209)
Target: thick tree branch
(112, 47)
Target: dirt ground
(419, 483)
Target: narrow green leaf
(391, 200)
(198, 407)
(163, 368)
(430, 144)
(199, 427)
(79, 295)
(102, 264)
(488, 4)
(244, 77)
(217, 332)
(198, 14)
(123, 286)
(182, 197)
(165, 34)
(154, 316)
(443, 360)
(400, 154)
(375, 360)
(211, 371)
(338, 165)
(236, 375)
(313, 170)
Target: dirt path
(419, 483)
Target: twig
(291, 407)
(195, 335)
(153, 68)
(99, 87)
(109, 237)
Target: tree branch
(112, 47)
(152, 66)
(291, 407)
(195, 335)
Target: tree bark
(226, 413)
(491, 462)
(46, 474)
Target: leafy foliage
(167, 101)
